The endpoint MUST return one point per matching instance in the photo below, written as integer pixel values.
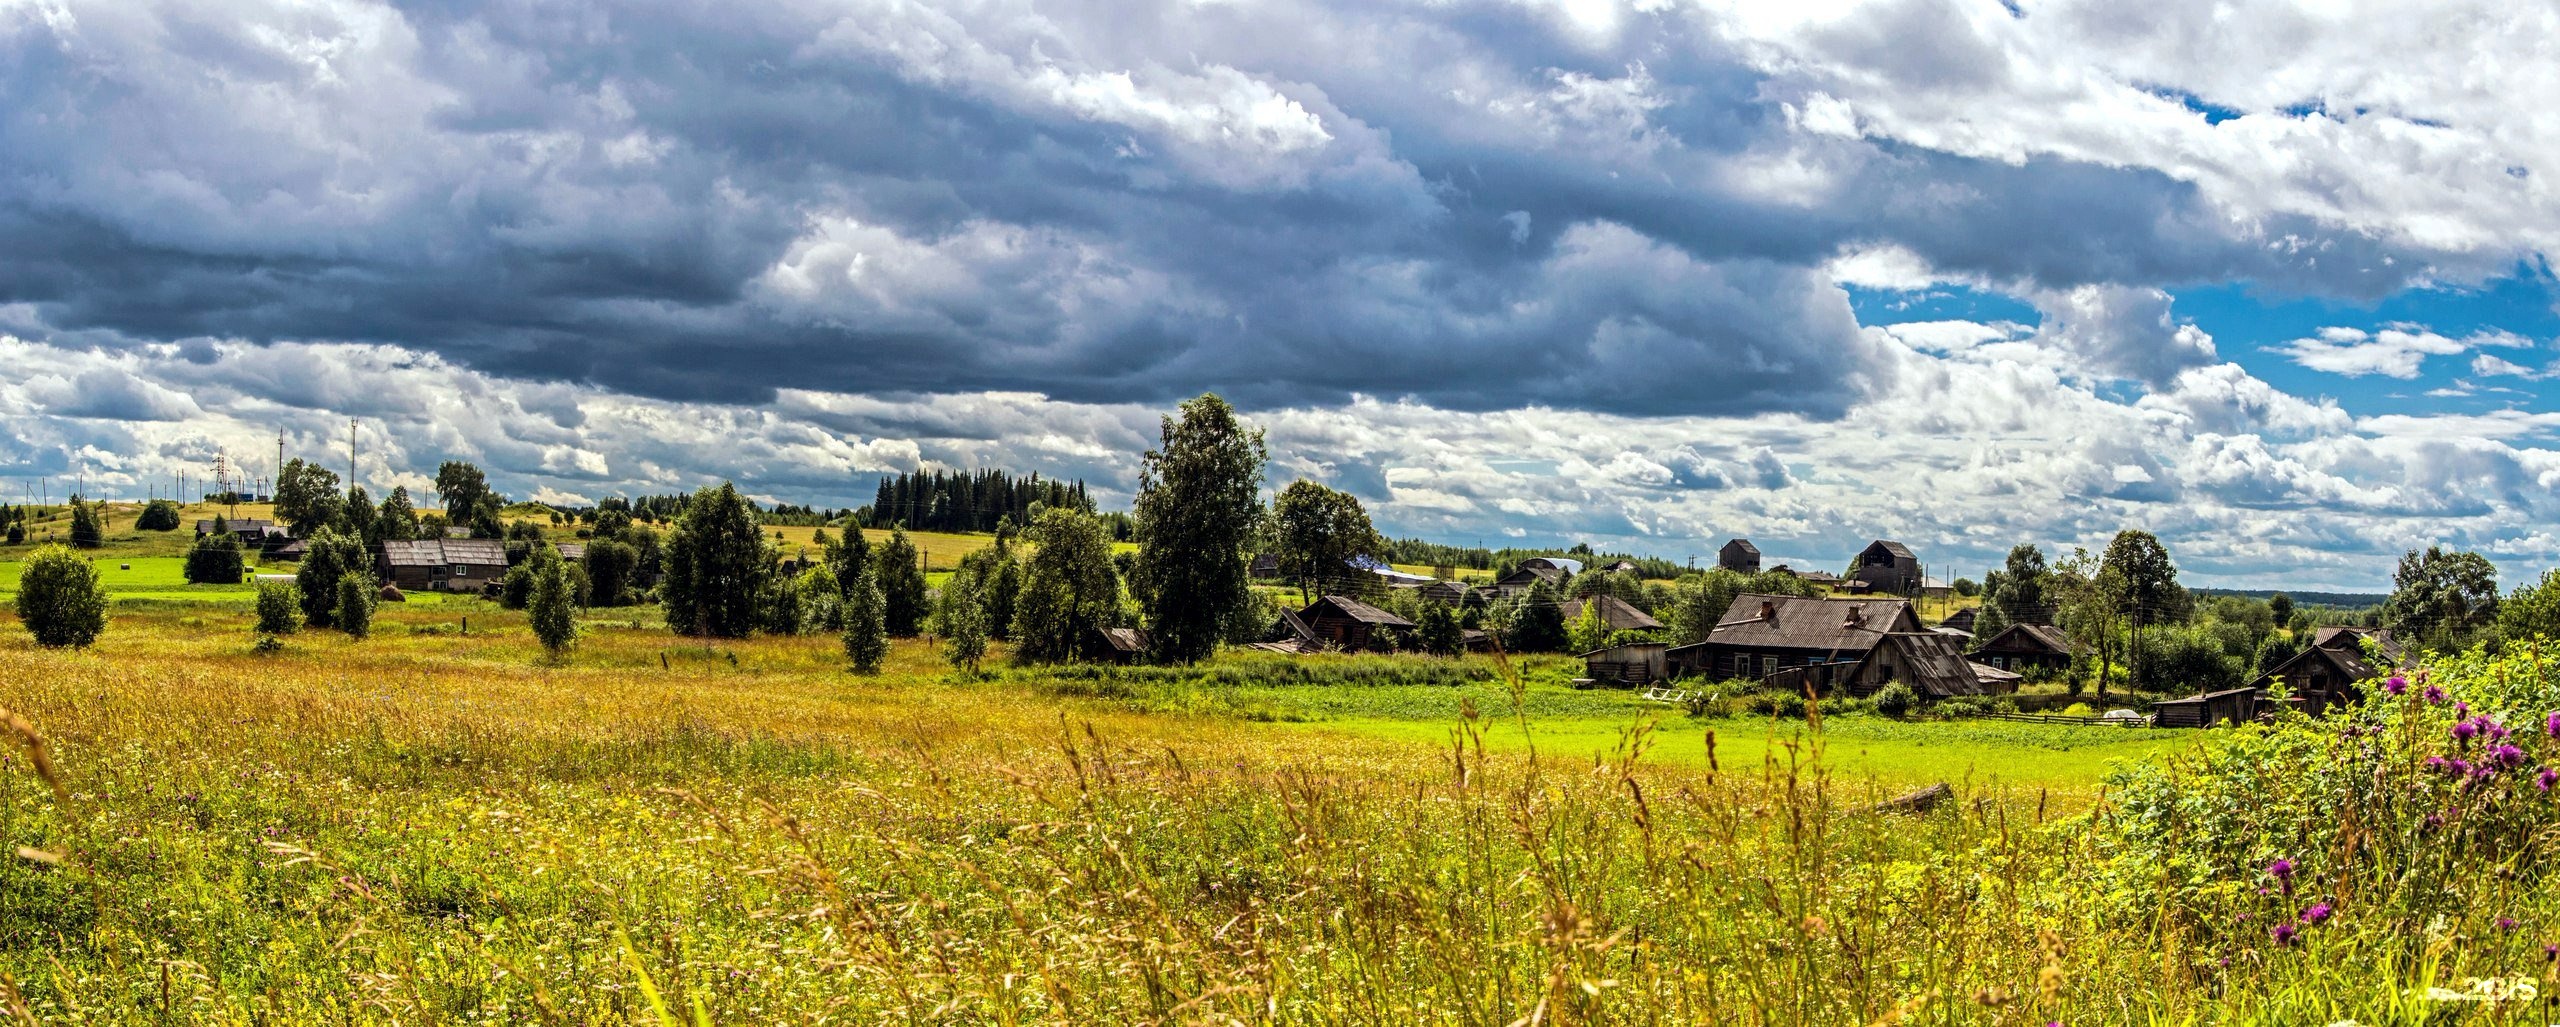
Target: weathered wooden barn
(1761, 635)
(1617, 613)
(1120, 645)
(1739, 556)
(1961, 620)
(2025, 647)
(1886, 567)
(442, 564)
(1335, 622)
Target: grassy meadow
(437, 826)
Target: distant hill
(2341, 600)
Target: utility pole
(351, 456)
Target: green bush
(160, 515)
(60, 599)
(355, 604)
(1896, 699)
(552, 601)
(279, 608)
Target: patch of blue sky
(1940, 303)
(2251, 327)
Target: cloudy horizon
(2273, 283)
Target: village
(1879, 631)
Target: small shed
(1265, 566)
(1121, 645)
(1961, 620)
(1633, 665)
(2230, 706)
(1996, 681)
(1739, 556)
(1927, 661)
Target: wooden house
(1761, 635)
(2024, 647)
(1341, 622)
(1996, 681)
(1739, 556)
(442, 565)
(1886, 567)
(2334, 667)
(1961, 620)
(1555, 571)
(574, 552)
(1617, 613)
(1931, 663)
(1264, 567)
(2229, 706)
(1633, 665)
(1825, 579)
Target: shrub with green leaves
(159, 515)
(279, 608)
(866, 627)
(87, 532)
(354, 614)
(60, 599)
(1896, 699)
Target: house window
(1768, 665)
(461, 570)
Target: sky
(2270, 281)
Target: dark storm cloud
(1109, 202)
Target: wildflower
(2462, 709)
(2506, 923)
(2280, 869)
(2398, 686)
(2317, 914)
(2282, 934)
(2546, 779)
(2435, 763)
(2464, 732)
(2551, 952)
(2434, 694)
(2434, 820)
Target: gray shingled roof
(1359, 611)
(1826, 624)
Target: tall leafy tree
(847, 558)
(866, 627)
(997, 573)
(2022, 584)
(2088, 595)
(360, 516)
(307, 497)
(1198, 501)
(611, 564)
(396, 520)
(718, 566)
(1437, 630)
(1069, 591)
(903, 592)
(2144, 584)
(60, 599)
(1539, 625)
(333, 556)
(552, 607)
(87, 531)
(2442, 598)
(960, 613)
(461, 486)
(215, 559)
(1316, 532)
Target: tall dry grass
(437, 828)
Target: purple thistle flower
(2464, 731)
(2317, 914)
(2551, 724)
(2546, 779)
(2434, 694)
(2435, 763)
(2280, 869)
(2434, 820)
(2462, 709)
(2506, 923)
(2504, 757)
(2397, 685)
(2551, 952)
(2282, 934)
